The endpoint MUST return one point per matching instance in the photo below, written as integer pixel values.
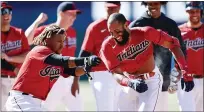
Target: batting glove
(187, 85)
(138, 85)
(92, 61)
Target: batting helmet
(195, 5)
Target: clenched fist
(41, 18)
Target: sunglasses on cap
(6, 11)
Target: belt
(9, 94)
(142, 76)
(7, 76)
(198, 76)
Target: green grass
(89, 101)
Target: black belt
(7, 76)
(198, 76)
(22, 94)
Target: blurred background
(24, 13)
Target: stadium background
(24, 13)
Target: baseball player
(14, 47)
(193, 36)
(128, 54)
(155, 18)
(34, 82)
(105, 93)
(66, 15)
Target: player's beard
(125, 38)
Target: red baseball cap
(112, 4)
(64, 6)
(5, 5)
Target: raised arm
(30, 31)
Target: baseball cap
(64, 6)
(162, 3)
(194, 5)
(5, 5)
(112, 4)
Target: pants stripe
(158, 90)
(94, 90)
(17, 104)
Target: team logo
(69, 41)
(196, 44)
(10, 45)
(50, 71)
(132, 51)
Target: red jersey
(69, 43)
(132, 56)
(36, 77)
(13, 43)
(194, 41)
(96, 33)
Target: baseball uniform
(105, 93)
(33, 82)
(13, 43)
(65, 99)
(194, 41)
(162, 55)
(130, 57)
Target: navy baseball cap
(195, 5)
(64, 6)
(112, 4)
(5, 5)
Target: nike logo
(183, 33)
(103, 30)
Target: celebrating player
(128, 53)
(193, 36)
(14, 47)
(155, 18)
(95, 35)
(41, 68)
(66, 15)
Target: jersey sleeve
(40, 53)
(108, 57)
(159, 37)
(88, 43)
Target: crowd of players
(129, 64)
